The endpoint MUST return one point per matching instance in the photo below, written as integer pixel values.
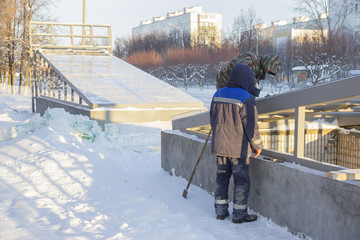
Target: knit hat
(259, 64)
(252, 60)
(270, 64)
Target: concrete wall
(179, 154)
(299, 198)
(43, 103)
(106, 115)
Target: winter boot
(246, 218)
(222, 217)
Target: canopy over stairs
(108, 88)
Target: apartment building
(281, 31)
(296, 30)
(355, 23)
(201, 27)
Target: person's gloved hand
(256, 153)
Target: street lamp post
(83, 21)
(181, 33)
(257, 27)
(84, 8)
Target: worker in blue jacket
(233, 118)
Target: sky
(125, 15)
(63, 178)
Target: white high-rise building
(201, 27)
(355, 23)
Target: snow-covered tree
(162, 73)
(200, 74)
(321, 67)
(183, 72)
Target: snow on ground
(63, 178)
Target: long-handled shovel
(196, 164)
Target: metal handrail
(47, 32)
(295, 103)
(45, 78)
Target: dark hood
(242, 76)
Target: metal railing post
(33, 97)
(59, 88)
(299, 134)
(72, 95)
(65, 90)
(53, 82)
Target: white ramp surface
(108, 81)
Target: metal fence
(334, 146)
(348, 148)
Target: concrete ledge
(300, 198)
(306, 162)
(107, 115)
(43, 103)
(136, 115)
(342, 175)
(181, 124)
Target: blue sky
(124, 15)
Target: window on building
(357, 35)
(357, 6)
(357, 21)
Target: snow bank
(63, 178)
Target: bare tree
(286, 53)
(329, 17)
(122, 47)
(329, 51)
(145, 59)
(15, 16)
(10, 33)
(243, 34)
(156, 41)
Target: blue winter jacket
(233, 116)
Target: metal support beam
(299, 137)
(320, 95)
